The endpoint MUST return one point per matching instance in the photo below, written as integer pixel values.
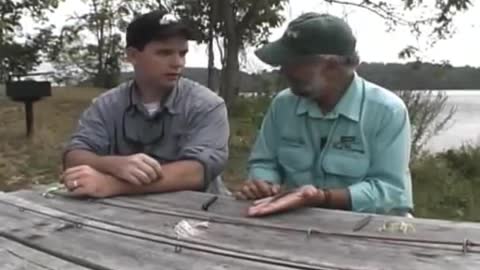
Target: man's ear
(132, 54)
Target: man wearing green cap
(333, 139)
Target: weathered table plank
(341, 221)
(336, 251)
(103, 248)
(14, 256)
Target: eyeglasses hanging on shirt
(141, 131)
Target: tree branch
(220, 50)
(249, 16)
(231, 33)
(376, 9)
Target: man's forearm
(179, 175)
(79, 157)
(102, 164)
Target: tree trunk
(3, 73)
(229, 81)
(211, 66)
(211, 56)
(99, 18)
(230, 74)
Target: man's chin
(168, 84)
(300, 93)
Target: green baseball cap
(310, 34)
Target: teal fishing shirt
(362, 145)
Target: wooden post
(29, 117)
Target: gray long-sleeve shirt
(192, 123)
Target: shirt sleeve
(262, 163)
(208, 141)
(91, 131)
(387, 187)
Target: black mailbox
(28, 90)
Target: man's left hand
(86, 181)
(305, 196)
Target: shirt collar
(349, 105)
(168, 104)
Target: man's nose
(178, 60)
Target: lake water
(465, 125)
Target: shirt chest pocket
(347, 167)
(296, 160)
(169, 148)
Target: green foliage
(434, 19)
(465, 160)
(197, 15)
(253, 19)
(272, 82)
(91, 45)
(425, 110)
(11, 12)
(447, 185)
(17, 58)
(442, 20)
(21, 54)
(250, 110)
(98, 59)
(237, 24)
(257, 19)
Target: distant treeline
(409, 76)
(421, 76)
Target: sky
(374, 42)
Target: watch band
(328, 198)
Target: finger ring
(75, 183)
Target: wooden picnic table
(141, 232)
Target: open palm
(301, 197)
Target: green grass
(37, 160)
(445, 186)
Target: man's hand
(138, 169)
(253, 190)
(303, 197)
(85, 181)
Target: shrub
(446, 185)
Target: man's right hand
(257, 189)
(138, 169)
